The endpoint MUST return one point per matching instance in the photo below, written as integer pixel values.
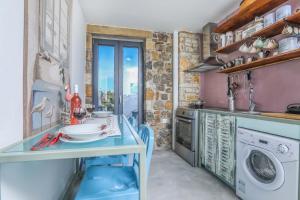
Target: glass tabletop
(126, 138)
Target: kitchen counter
(288, 128)
(241, 113)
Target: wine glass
(90, 109)
(79, 113)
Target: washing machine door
(262, 168)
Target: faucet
(251, 93)
(251, 101)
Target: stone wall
(159, 87)
(158, 81)
(189, 56)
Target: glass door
(117, 78)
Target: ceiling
(157, 15)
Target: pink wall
(275, 87)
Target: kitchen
(211, 90)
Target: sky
(106, 67)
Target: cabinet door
(210, 142)
(201, 139)
(225, 166)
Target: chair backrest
(130, 119)
(147, 136)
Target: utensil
(258, 43)
(43, 142)
(288, 44)
(229, 38)
(223, 40)
(238, 36)
(79, 113)
(55, 139)
(270, 44)
(90, 108)
(283, 11)
(244, 48)
(249, 59)
(269, 19)
(253, 49)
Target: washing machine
(267, 166)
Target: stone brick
(156, 56)
(149, 44)
(158, 105)
(149, 94)
(169, 90)
(169, 105)
(149, 65)
(159, 65)
(160, 87)
(164, 96)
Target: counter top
(249, 115)
(126, 143)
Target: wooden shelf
(283, 57)
(246, 14)
(269, 31)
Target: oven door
(185, 132)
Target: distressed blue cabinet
(217, 145)
(226, 131)
(210, 142)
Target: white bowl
(102, 114)
(83, 131)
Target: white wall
(37, 180)
(11, 71)
(40, 179)
(78, 39)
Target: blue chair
(116, 183)
(108, 160)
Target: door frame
(118, 76)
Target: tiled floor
(171, 178)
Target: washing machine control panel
(282, 148)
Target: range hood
(210, 45)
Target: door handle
(185, 120)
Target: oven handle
(185, 120)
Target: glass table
(128, 142)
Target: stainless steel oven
(187, 134)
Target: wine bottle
(75, 103)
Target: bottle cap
(76, 88)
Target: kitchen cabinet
(225, 167)
(217, 145)
(210, 142)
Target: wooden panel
(210, 142)
(269, 31)
(114, 31)
(225, 167)
(295, 18)
(246, 14)
(291, 55)
(202, 139)
(282, 115)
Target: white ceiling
(157, 15)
